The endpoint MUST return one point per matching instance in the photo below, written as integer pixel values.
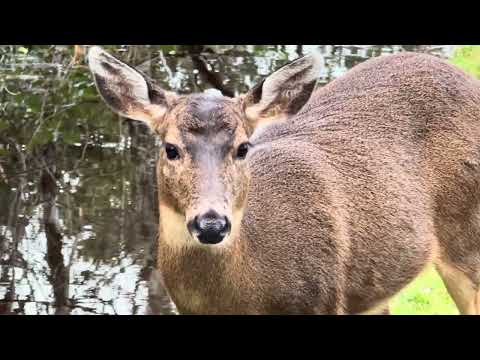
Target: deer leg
(382, 309)
(385, 311)
(463, 290)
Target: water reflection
(78, 212)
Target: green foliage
(4, 152)
(468, 58)
(425, 296)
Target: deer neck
(200, 278)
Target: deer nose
(209, 228)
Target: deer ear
(125, 90)
(284, 92)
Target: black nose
(210, 228)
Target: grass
(424, 296)
(468, 58)
(427, 294)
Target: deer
(299, 199)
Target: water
(78, 211)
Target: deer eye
(172, 152)
(242, 150)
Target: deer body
(348, 199)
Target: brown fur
(343, 204)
